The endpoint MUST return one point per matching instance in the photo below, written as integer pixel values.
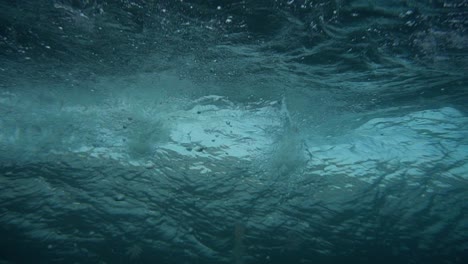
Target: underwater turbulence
(237, 131)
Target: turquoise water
(288, 131)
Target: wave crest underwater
(196, 131)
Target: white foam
(210, 130)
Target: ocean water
(239, 132)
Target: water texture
(282, 131)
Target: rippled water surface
(266, 131)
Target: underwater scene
(234, 131)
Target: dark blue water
(288, 131)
